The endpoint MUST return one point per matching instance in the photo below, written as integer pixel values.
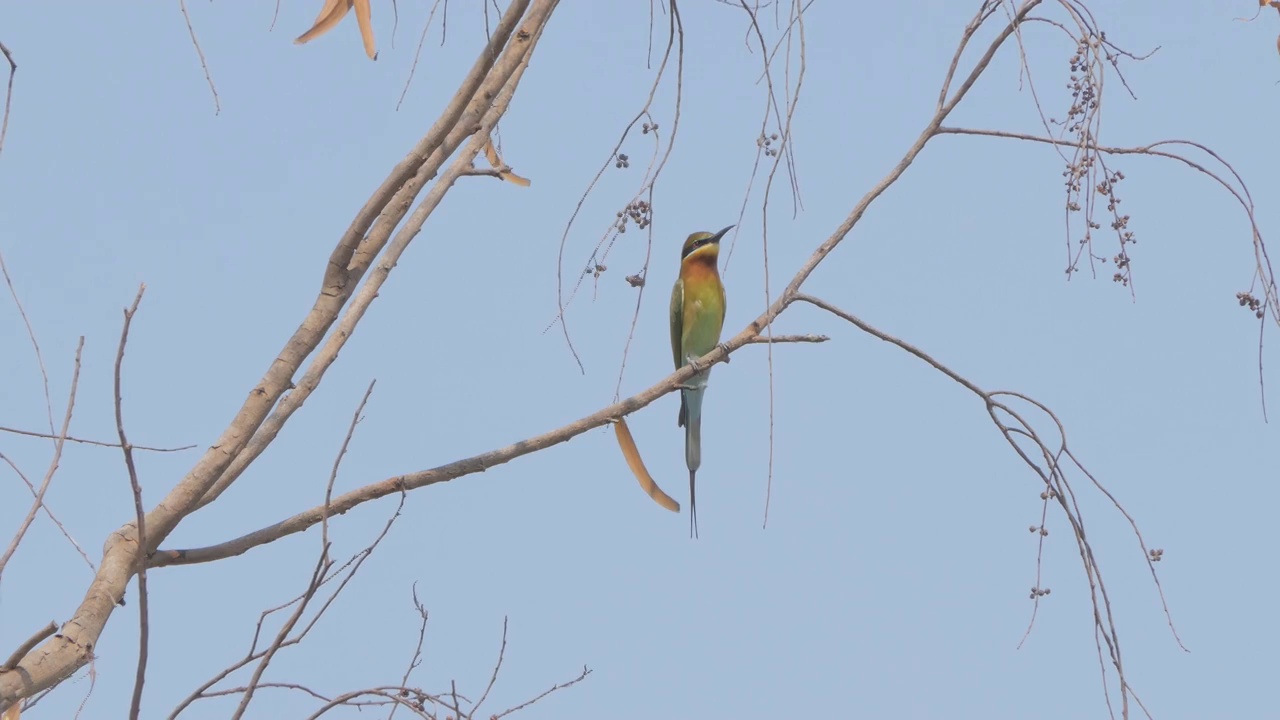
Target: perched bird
(697, 315)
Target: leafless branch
(140, 559)
(783, 150)
(346, 572)
(497, 666)
(272, 685)
(484, 461)
(204, 65)
(22, 312)
(479, 105)
(481, 100)
(394, 696)
(486, 172)
(1057, 488)
(35, 493)
(582, 676)
(53, 467)
(776, 339)
(413, 68)
(98, 443)
(416, 660)
(634, 210)
(8, 95)
(361, 262)
(337, 461)
(322, 566)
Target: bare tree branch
(35, 493)
(350, 568)
(1057, 488)
(99, 443)
(8, 95)
(204, 65)
(497, 667)
(361, 262)
(777, 339)
(22, 312)
(322, 566)
(483, 106)
(140, 557)
(474, 110)
(48, 476)
(582, 676)
(416, 660)
(635, 210)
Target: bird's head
(703, 245)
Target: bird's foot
(687, 387)
(692, 362)
(725, 348)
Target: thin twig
(1057, 488)
(48, 511)
(502, 651)
(350, 567)
(583, 676)
(31, 333)
(675, 46)
(416, 660)
(337, 461)
(217, 105)
(8, 96)
(781, 152)
(394, 696)
(140, 560)
(53, 464)
(99, 443)
(322, 565)
(413, 68)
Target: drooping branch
(1051, 469)
(1238, 190)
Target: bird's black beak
(716, 238)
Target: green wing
(677, 322)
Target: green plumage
(697, 317)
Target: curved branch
(447, 472)
(1057, 487)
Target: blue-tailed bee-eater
(697, 316)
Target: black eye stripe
(688, 250)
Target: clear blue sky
(892, 580)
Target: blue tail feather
(691, 418)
